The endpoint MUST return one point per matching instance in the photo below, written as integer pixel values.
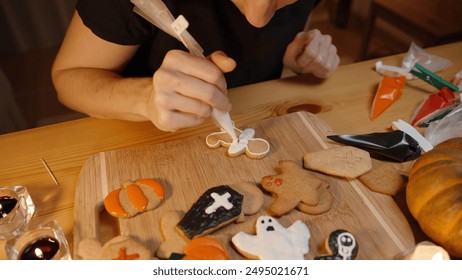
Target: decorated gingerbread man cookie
(255, 148)
(297, 187)
(273, 241)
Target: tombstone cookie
(216, 208)
(273, 241)
(255, 148)
(344, 161)
(341, 245)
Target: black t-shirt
(215, 24)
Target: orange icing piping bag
(390, 89)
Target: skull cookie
(273, 241)
(342, 245)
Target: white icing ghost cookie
(255, 148)
(273, 241)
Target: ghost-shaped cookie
(273, 241)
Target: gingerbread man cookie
(297, 187)
(255, 148)
(273, 241)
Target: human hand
(186, 88)
(312, 52)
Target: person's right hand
(186, 88)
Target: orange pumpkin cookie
(134, 198)
(205, 248)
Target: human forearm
(103, 93)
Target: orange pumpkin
(434, 194)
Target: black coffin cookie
(217, 207)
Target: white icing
(240, 144)
(346, 251)
(273, 241)
(220, 201)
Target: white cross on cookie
(220, 201)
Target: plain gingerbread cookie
(118, 248)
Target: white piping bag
(157, 13)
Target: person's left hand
(312, 52)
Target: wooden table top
(343, 102)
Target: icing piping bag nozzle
(425, 145)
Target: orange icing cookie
(134, 198)
(113, 206)
(255, 148)
(205, 248)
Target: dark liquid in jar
(44, 248)
(7, 204)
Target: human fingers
(194, 77)
(195, 66)
(173, 120)
(170, 111)
(331, 65)
(170, 85)
(224, 62)
(295, 49)
(320, 55)
(315, 52)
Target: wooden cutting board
(188, 168)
